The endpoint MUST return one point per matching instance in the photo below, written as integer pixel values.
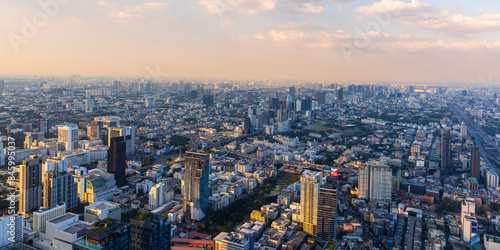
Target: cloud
(424, 16)
(395, 7)
(308, 8)
(246, 6)
(425, 45)
(319, 39)
(125, 11)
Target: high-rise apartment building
(60, 187)
(375, 183)
(117, 156)
(196, 185)
(151, 232)
(309, 196)
(327, 211)
(43, 125)
(7, 223)
(30, 191)
(446, 151)
(99, 127)
(68, 136)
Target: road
(474, 130)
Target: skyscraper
(43, 125)
(340, 96)
(60, 187)
(375, 183)
(445, 151)
(30, 192)
(327, 210)
(117, 160)
(309, 195)
(196, 185)
(291, 92)
(68, 135)
(151, 232)
(475, 162)
(99, 127)
(129, 135)
(247, 126)
(463, 130)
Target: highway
(474, 130)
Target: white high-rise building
(463, 130)
(68, 134)
(157, 195)
(309, 198)
(468, 209)
(491, 178)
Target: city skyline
(388, 41)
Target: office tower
(279, 115)
(247, 126)
(306, 104)
(275, 103)
(151, 232)
(320, 97)
(340, 96)
(200, 93)
(30, 191)
(99, 127)
(232, 241)
(43, 125)
(446, 151)
(250, 97)
(28, 141)
(68, 136)
(475, 162)
(196, 185)
(208, 100)
(105, 235)
(2, 85)
(41, 216)
(95, 186)
(117, 160)
(157, 196)
(309, 195)
(327, 210)
(60, 187)
(89, 105)
(463, 130)
(291, 92)
(375, 183)
(7, 223)
(129, 135)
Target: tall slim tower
(375, 183)
(30, 193)
(309, 196)
(475, 162)
(445, 151)
(463, 130)
(117, 154)
(327, 210)
(196, 185)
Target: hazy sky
(330, 40)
